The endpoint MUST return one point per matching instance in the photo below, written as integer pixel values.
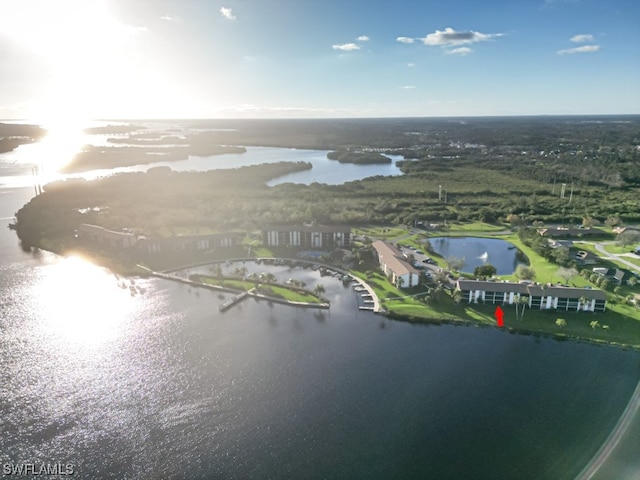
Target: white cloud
(410, 65)
(405, 40)
(346, 47)
(582, 38)
(363, 38)
(227, 13)
(408, 87)
(459, 51)
(168, 18)
(583, 49)
(450, 38)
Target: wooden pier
(230, 303)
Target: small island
(12, 135)
(361, 158)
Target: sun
(83, 50)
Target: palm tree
(524, 301)
(583, 302)
(457, 296)
(319, 290)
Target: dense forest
(552, 170)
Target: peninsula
(556, 189)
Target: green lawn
(277, 291)
(473, 227)
(616, 249)
(288, 294)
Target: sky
(90, 59)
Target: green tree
(455, 263)
(567, 274)
(561, 322)
(514, 220)
(627, 238)
(484, 271)
(319, 290)
(525, 273)
(588, 222)
(613, 221)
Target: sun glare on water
(81, 304)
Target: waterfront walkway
(368, 290)
(240, 295)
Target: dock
(230, 303)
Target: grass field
(616, 249)
(277, 291)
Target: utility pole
(439, 193)
(564, 187)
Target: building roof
(392, 258)
(492, 286)
(619, 230)
(568, 232)
(103, 232)
(531, 290)
(308, 228)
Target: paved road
(611, 256)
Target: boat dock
(230, 303)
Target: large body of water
(162, 385)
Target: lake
(160, 384)
(15, 166)
(480, 251)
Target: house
(568, 232)
(614, 275)
(540, 297)
(392, 262)
(189, 243)
(311, 236)
(559, 243)
(620, 230)
(107, 238)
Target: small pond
(480, 251)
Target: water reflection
(80, 305)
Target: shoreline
(558, 336)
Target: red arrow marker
(499, 314)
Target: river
(160, 384)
